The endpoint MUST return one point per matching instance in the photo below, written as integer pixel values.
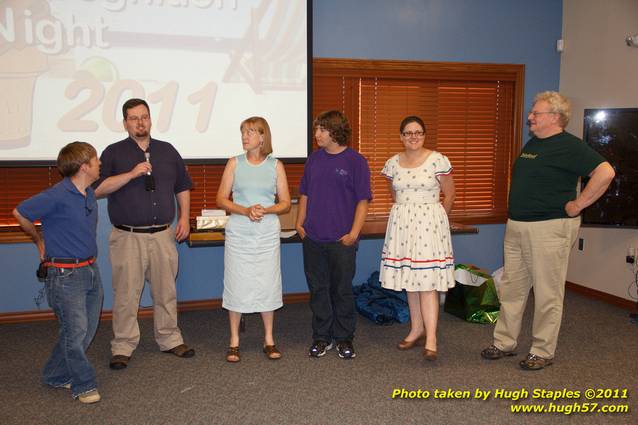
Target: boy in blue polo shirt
(67, 248)
(335, 191)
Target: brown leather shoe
(181, 350)
(272, 352)
(534, 362)
(118, 362)
(429, 355)
(494, 353)
(232, 355)
(404, 344)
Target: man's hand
(41, 249)
(141, 169)
(114, 183)
(599, 181)
(183, 229)
(30, 230)
(348, 239)
(572, 209)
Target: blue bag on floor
(382, 306)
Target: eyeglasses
(249, 131)
(535, 113)
(409, 134)
(136, 119)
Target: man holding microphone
(141, 206)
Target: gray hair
(558, 104)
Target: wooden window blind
(20, 183)
(472, 114)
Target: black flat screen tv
(613, 132)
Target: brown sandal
(272, 352)
(430, 355)
(232, 355)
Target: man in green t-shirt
(544, 217)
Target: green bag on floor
(474, 297)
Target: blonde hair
(558, 104)
(72, 156)
(261, 125)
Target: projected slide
(66, 67)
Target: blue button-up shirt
(69, 220)
(132, 204)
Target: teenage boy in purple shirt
(67, 248)
(335, 191)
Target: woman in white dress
(252, 266)
(417, 252)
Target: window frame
(364, 71)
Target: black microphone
(149, 180)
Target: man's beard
(141, 133)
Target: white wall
(599, 70)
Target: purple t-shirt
(334, 184)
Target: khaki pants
(536, 256)
(136, 257)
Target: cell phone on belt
(41, 273)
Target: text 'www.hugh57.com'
(532, 401)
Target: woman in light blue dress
(252, 268)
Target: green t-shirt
(545, 175)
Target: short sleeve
(106, 166)
(584, 159)
(304, 184)
(362, 180)
(389, 168)
(36, 207)
(442, 166)
(183, 181)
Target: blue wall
(497, 31)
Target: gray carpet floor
(598, 349)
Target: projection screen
(66, 67)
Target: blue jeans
(75, 295)
(329, 269)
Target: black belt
(141, 229)
(69, 262)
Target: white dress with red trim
(417, 252)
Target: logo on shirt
(341, 171)
(529, 155)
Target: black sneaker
(346, 350)
(319, 348)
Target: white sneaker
(91, 397)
